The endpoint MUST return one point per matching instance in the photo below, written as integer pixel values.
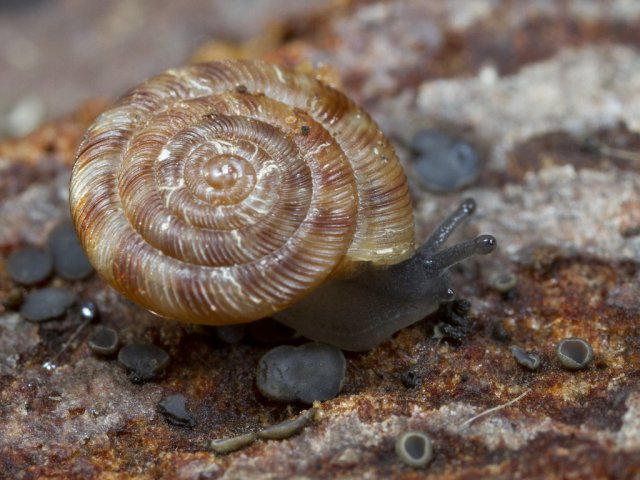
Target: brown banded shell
(223, 192)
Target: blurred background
(57, 53)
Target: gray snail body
(359, 313)
(227, 192)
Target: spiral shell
(224, 192)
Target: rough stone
(533, 84)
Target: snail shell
(225, 192)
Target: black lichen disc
(145, 361)
(574, 353)
(69, 260)
(104, 341)
(414, 449)
(313, 371)
(443, 162)
(46, 304)
(29, 265)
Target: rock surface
(550, 93)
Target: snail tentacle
(448, 226)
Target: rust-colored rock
(532, 91)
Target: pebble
(528, 360)
(144, 361)
(29, 265)
(443, 162)
(307, 373)
(414, 449)
(104, 341)
(69, 260)
(46, 304)
(574, 353)
(288, 428)
(174, 409)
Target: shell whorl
(223, 192)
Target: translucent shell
(224, 192)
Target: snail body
(227, 192)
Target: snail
(226, 192)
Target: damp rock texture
(548, 95)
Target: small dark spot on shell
(310, 372)
(13, 299)
(305, 129)
(288, 428)
(574, 353)
(29, 265)
(104, 341)
(174, 409)
(230, 444)
(46, 304)
(528, 360)
(231, 333)
(443, 162)
(414, 449)
(69, 260)
(145, 361)
(241, 89)
(409, 378)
